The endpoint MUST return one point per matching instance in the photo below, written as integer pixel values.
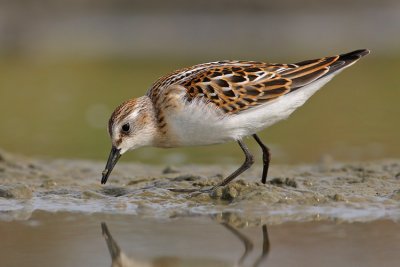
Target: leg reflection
(249, 245)
(266, 247)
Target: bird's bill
(112, 160)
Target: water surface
(74, 239)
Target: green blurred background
(65, 65)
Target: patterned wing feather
(235, 86)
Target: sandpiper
(218, 102)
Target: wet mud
(363, 191)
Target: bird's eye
(126, 127)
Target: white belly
(200, 124)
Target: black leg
(249, 160)
(266, 158)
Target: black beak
(112, 160)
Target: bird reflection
(119, 259)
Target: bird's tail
(309, 71)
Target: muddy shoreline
(362, 191)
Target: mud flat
(350, 192)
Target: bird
(219, 102)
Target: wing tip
(347, 59)
(354, 55)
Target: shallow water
(56, 213)
(74, 239)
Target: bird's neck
(157, 120)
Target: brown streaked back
(235, 86)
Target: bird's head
(131, 125)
